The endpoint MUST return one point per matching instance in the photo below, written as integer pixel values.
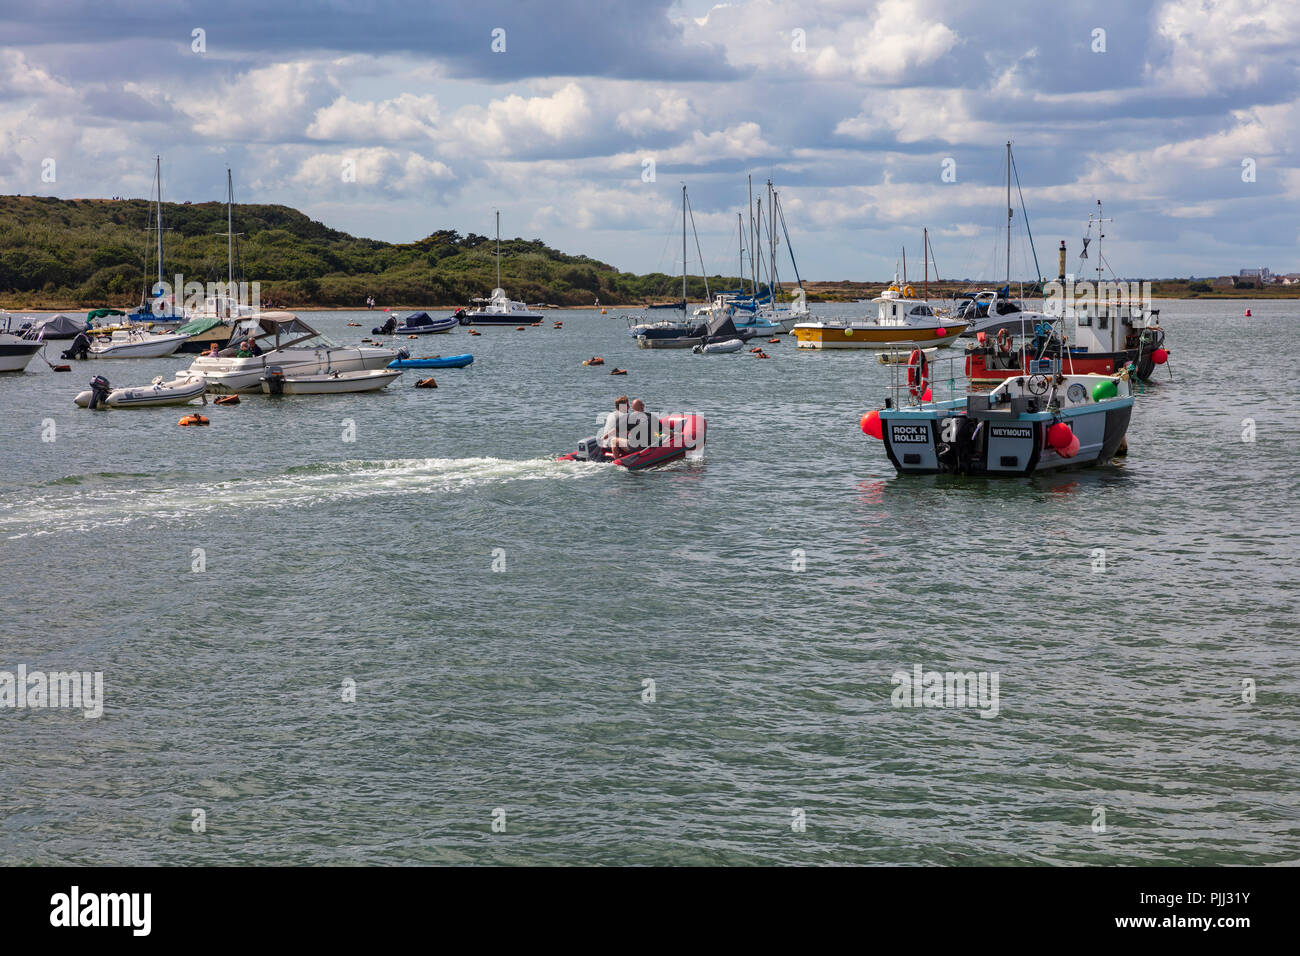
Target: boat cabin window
(1103, 320)
(922, 310)
(1082, 316)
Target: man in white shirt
(614, 435)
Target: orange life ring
(1004, 340)
(192, 420)
(918, 373)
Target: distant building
(1260, 273)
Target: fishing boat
(1027, 425)
(900, 323)
(419, 323)
(179, 391)
(1111, 333)
(136, 343)
(16, 351)
(433, 361)
(499, 308)
(680, 436)
(290, 343)
(276, 382)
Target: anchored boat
(276, 382)
(137, 343)
(1028, 424)
(179, 391)
(419, 323)
(900, 323)
(432, 361)
(289, 342)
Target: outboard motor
(99, 389)
(274, 378)
(589, 450)
(461, 317)
(79, 348)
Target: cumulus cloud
(404, 117)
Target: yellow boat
(900, 323)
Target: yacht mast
(158, 176)
(498, 248)
(1008, 218)
(925, 254)
(230, 229)
(753, 246)
(683, 250)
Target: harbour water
(501, 614)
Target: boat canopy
(198, 326)
(59, 325)
(100, 313)
(283, 323)
(721, 324)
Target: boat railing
(945, 377)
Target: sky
(875, 120)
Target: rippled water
(522, 689)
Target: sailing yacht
(159, 312)
(499, 308)
(222, 317)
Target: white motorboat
(719, 348)
(16, 351)
(499, 308)
(286, 341)
(137, 343)
(179, 391)
(275, 382)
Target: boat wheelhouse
(900, 323)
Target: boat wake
(102, 501)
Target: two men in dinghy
(628, 428)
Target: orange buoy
(872, 425)
(472, 332)
(602, 311)
(192, 420)
(519, 328)
(227, 400)
(426, 383)
(618, 371)
(1248, 313)
(412, 336)
(773, 341)
(757, 348)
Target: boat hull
(176, 392)
(449, 361)
(160, 347)
(15, 353)
(371, 380)
(227, 376)
(987, 367)
(957, 438)
(817, 335)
